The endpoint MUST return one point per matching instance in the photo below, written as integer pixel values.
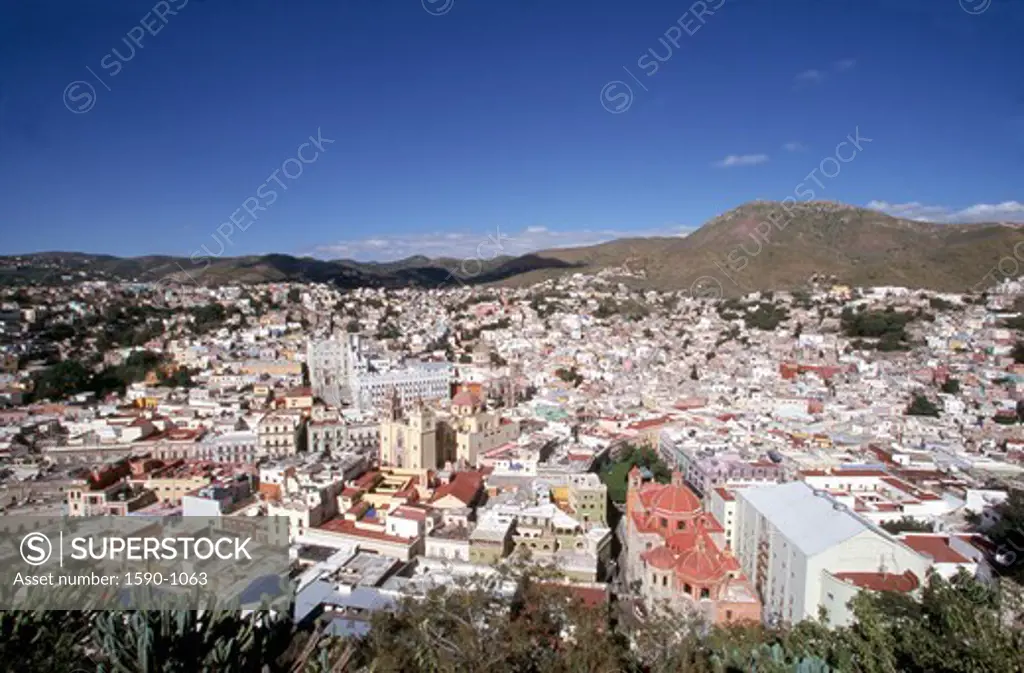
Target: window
(728, 615)
(680, 525)
(664, 522)
(687, 588)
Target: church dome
(464, 399)
(675, 499)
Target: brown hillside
(761, 245)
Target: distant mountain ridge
(760, 245)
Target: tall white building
(341, 370)
(330, 363)
(426, 381)
(804, 550)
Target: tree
(615, 475)
(1018, 352)
(569, 375)
(294, 295)
(921, 406)
(907, 524)
(766, 316)
(62, 380)
(947, 626)
(1007, 533)
(951, 386)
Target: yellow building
(408, 440)
(475, 431)
(172, 483)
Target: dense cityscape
(756, 460)
(456, 336)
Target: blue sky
(458, 123)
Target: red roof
(669, 499)
(882, 581)
(693, 556)
(649, 423)
(406, 512)
(464, 487)
(464, 399)
(936, 546)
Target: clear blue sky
(456, 119)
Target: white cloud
(741, 160)
(794, 147)
(484, 245)
(845, 64)
(811, 76)
(1007, 211)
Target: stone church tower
(408, 440)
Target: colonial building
(675, 557)
(280, 433)
(588, 499)
(408, 440)
(472, 431)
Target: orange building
(675, 554)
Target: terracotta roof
(936, 546)
(661, 558)
(650, 423)
(464, 487)
(406, 512)
(882, 581)
(693, 556)
(669, 498)
(464, 399)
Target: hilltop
(758, 246)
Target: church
(676, 556)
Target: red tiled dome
(464, 399)
(698, 566)
(674, 499)
(661, 558)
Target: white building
(425, 381)
(343, 370)
(804, 550)
(330, 363)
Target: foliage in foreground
(957, 626)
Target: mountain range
(760, 245)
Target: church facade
(675, 554)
